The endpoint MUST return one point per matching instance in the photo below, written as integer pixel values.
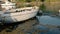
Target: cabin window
(18, 11)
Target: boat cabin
(8, 5)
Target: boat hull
(17, 17)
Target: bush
(42, 0)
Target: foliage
(28, 0)
(42, 0)
(20, 0)
(43, 7)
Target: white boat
(59, 13)
(17, 15)
(8, 5)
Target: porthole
(16, 10)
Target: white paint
(8, 5)
(20, 16)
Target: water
(50, 20)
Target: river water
(51, 23)
(49, 20)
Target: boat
(10, 14)
(59, 13)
